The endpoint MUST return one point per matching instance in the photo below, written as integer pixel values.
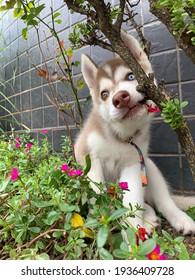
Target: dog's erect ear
(89, 70)
(133, 45)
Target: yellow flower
(77, 221)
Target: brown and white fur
(119, 111)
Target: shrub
(46, 209)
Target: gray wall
(27, 91)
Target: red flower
(155, 254)
(142, 234)
(111, 191)
(152, 109)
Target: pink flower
(17, 139)
(44, 131)
(155, 254)
(28, 145)
(17, 145)
(76, 172)
(123, 185)
(14, 174)
(64, 167)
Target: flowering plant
(46, 209)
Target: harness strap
(142, 165)
(141, 158)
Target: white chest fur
(112, 154)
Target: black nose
(121, 99)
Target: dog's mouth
(132, 111)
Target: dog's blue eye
(130, 77)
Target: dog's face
(113, 86)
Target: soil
(189, 241)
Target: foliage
(46, 209)
(183, 15)
(171, 112)
(63, 63)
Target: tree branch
(138, 28)
(119, 19)
(79, 9)
(183, 39)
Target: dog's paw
(151, 225)
(183, 223)
(151, 221)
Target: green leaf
(84, 198)
(34, 229)
(64, 207)
(87, 164)
(56, 15)
(52, 217)
(124, 246)
(58, 21)
(176, 101)
(76, 64)
(191, 213)
(59, 248)
(41, 204)
(117, 214)
(24, 33)
(120, 254)
(4, 184)
(167, 235)
(91, 223)
(42, 256)
(179, 239)
(131, 236)
(32, 22)
(39, 9)
(18, 12)
(183, 255)
(147, 247)
(183, 104)
(105, 255)
(102, 235)
(167, 120)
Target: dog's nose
(121, 99)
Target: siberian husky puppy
(116, 136)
